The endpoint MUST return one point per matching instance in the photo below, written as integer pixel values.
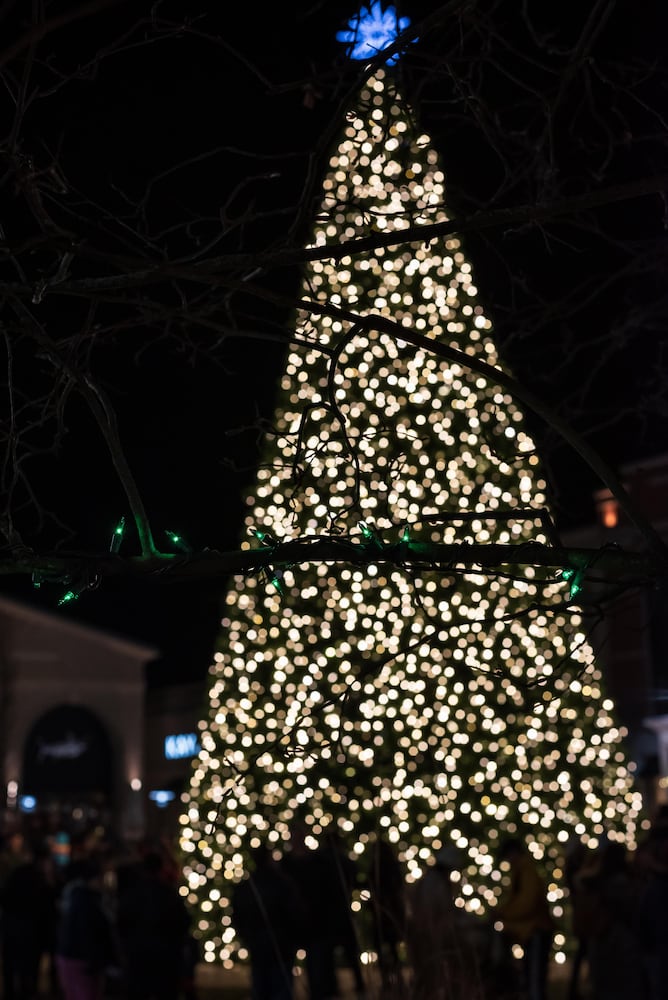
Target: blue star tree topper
(371, 31)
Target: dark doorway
(68, 767)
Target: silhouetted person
(85, 944)
(28, 920)
(660, 820)
(153, 929)
(268, 915)
(311, 873)
(443, 958)
(13, 852)
(338, 874)
(526, 916)
(170, 873)
(575, 861)
(610, 897)
(650, 866)
(387, 888)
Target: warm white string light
(369, 699)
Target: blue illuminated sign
(371, 31)
(181, 745)
(161, 797)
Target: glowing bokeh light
(435, 707)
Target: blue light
(161, 797)
(27, 803)
(371, 31)
(181, 745)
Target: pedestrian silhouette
(28, 921)
(85, 942)
(611, 902)
(387, 888)
(269, 917)
(153, 925)
(338, 879)
(526, 917)
(652, 872)
(441, 947)
(311, 873)
(575, 863)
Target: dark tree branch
(137, 272)
(40, 29)
(610, 564)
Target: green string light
(68, 597)
(370, 538)
(574, 577)
(273, 577)
(262, 536)
(117, 536)
(178, 541)
(406, 534)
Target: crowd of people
(429, 947)
(114, 924)
(425, 945)
(104, 923)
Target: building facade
(631, 639)
(171, 741)
(72, 709)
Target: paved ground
(214, 983)
(217, 984)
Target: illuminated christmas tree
(437, 706)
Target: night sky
(237, 99)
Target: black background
(263, 86)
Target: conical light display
(436, 706)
